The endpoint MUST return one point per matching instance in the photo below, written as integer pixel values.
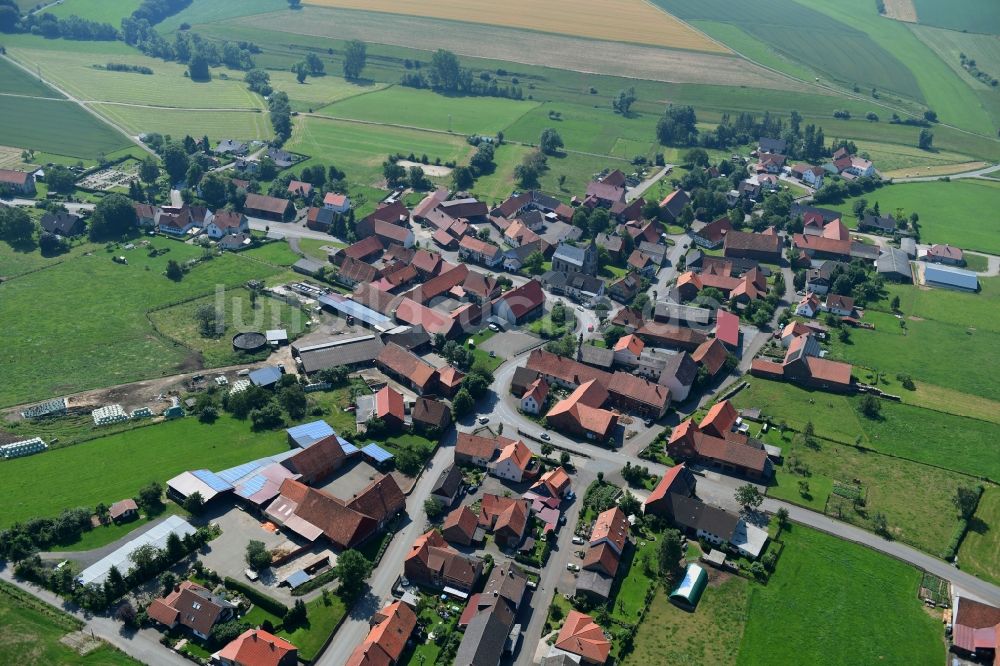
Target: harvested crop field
(619, 20)
(526, 47)
(901, 10)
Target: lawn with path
(843, 604)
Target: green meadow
(843, 604)
(56, 126)
(94, 331)
(101, 11)
(950, 212)
(116, 466)
(16, 81)
(245, 125)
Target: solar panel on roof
(252, 485)
(308, 433)
(212, 480)
(234, 474)
(349, 449)
(376, 452)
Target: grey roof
(486, 635)
(595, 583)
(685, 314)
(448, 482)
(522, 252)
(506, 581)
(266, 376)
(952, 277)
(413, 337)
(768, 145)
(556, 232)
(696, 515)
(885, 223)
(597, 356)
(909, 246)
(893, 261)
(681, 366)
(655, 250)
(59, 223)
(573, 280)
(801, 209)
(350, 351)
(230, 146)
(307, 266)
(570, 254)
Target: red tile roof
(381, 499)
(822, 244)
(119, 508)
(407, 364)
(601, 557)
(712, 354)
(945, 252)
(611, 525)
(582, 636)
(727, 328)
(664, 486)
(266, 203)
(523, 299)
(463, 520)
(739, 240)
(256, 647)
(364, 248)
(475, 446)
(389, 403)
(391, 629)
(565, 369)
(720, 419)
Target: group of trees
(481, 163)
(281, 116)
(16, 227)
(446, 74)
(475, 385)
(51, 26)
(531, 168)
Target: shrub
(272, 606)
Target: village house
(268, 208)
(583, 638)
(475, 450)
(432, 563)
(66, 225)
(19, 182)
(760, 247)
(808, 174)
(520, 304)
(513, 463)
(945, 254)
(842, 306)
(226, 223)
(506, 518)
(338, 203)
(715, 442)
(256, 647)
(672, 205)
(534, 398)
(713, 234)
(802, 365)
(191, 606)
(477, 251)
(385, 643)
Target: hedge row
(959, 534)
(272, 606)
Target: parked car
(577, 541)
(494, 328)
(545, 436)
(484, 419)
(572, 567)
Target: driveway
(225, 554)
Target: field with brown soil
(618, 20)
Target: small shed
(376, 454)
(689, 591)
(276, 337)
(267, 376)
(308, 267)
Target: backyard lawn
(708, 637)
(843, 603)
(114, 467)
(30, 631)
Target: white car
(577, 541)
(572, 567)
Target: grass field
(55, 126)
(317, 92)
(851, 56)
(113, 467)
(708, 637)
(616, 20)
(963, 15)
(322, 614)
(75, 72)
(95, 332)
(741, 41)
(178, 323)
(953, 100)
(950, 44)
(30, 631)
(278, 254)
(14, 262)
(970, 367)
(588, 129)
(894, 159)
(916, 499)
(843, 603)
(101, 11)
(360, 149)
(950, 212)
(16, 81)
(429, 110)
(105, 534)
(980, 551)
(245, 125)
(918, 434)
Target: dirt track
(901, 10)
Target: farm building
(121, 558)
(894, 265)
(268, 208)
(953, 278)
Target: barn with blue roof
(308, 433)
(376, 454)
